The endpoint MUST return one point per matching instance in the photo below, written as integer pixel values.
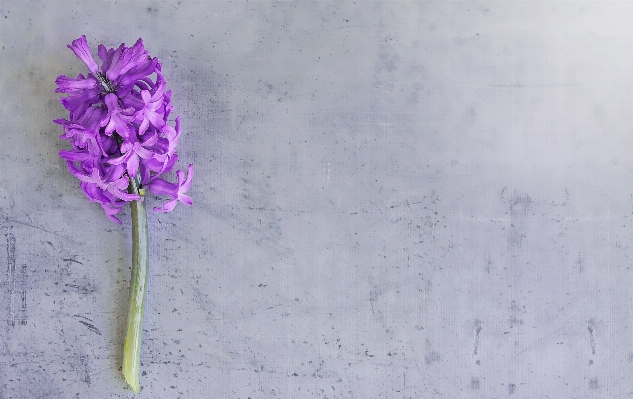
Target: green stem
(138, 288)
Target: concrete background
(392, 200)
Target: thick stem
(138, 288)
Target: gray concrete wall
(392, 200)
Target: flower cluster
(119, 129)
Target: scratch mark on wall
(90, 327)
(87, 289)
(590, 324)
(88, 324)
(10, 248)
(374, 294)
(71, 260)
(580, 263)
(519, 207)
(477, 331)
(84, 362)
(21, 284)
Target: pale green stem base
(138, 288)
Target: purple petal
(80, 99)
(117, 61)
(146, 96)
(160, 166)
(121, 184)
(132, 164)
(77, 156)
(80, 174)
(142, 152)
(142, 85)
(155, 119)
(70, 85)
(112, 102)
(142, 128)
(186, 185)
(114, 173)
(150, 141)
(107, 145)
(120, 160)
(160, 186)
(97, 179)
(92, 118)
(128, 145)
(103, 53)
(169, 164)
(138, 73)
(144, 171)
(116, 119)
(167, 206)
(160, 148)
(123, 195)
(93, 192)
(132, 100)
(81, 50)
(110, 212)
(185, 199)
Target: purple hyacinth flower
(175, 191)
(125, 59)
(152, 111)
(119, 128)
(115, 187)
(133, 150)
(117, 118)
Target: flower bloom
(119, 129)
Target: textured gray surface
(392, 200)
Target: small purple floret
(119, 130)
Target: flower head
(118, 128)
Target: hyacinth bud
(119, 130)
